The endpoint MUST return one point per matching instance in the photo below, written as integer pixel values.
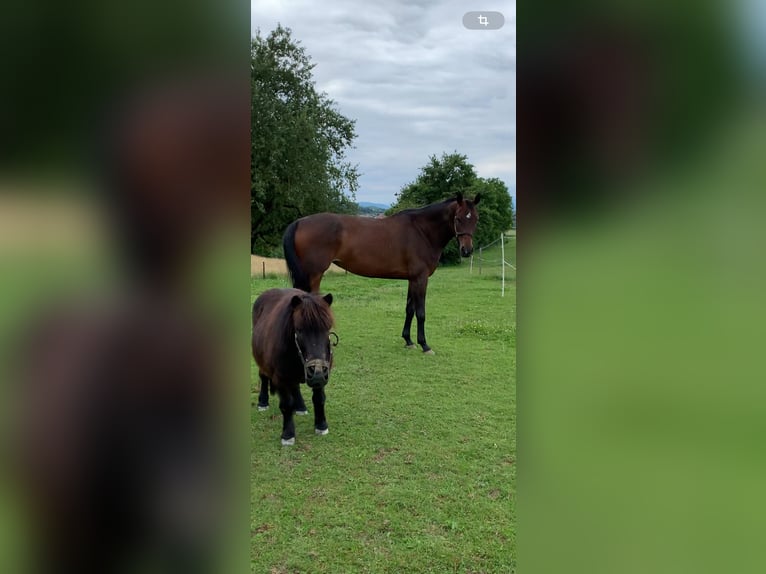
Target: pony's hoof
(410, 346)
(288, 441)
(322, 432)
(429, 352)
(303, 412)
(263, 407)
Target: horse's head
(313, 320)
(464, 222)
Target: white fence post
(502, 257)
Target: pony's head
(464, 222)
(312, 320)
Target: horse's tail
(297, 274)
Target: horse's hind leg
(316, 280)
(288, 424)
(318, 261)
(263, 394)
(320, 422)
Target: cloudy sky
(416, 81)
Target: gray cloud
(414, 79)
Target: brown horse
(406, 245)
(291, 345)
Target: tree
(444, 177)
(495, 210)
(299, 142)
(438, 179)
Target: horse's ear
(477, 199)
(328, 299)
(295, 301)
(459, 197)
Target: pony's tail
(297, 274)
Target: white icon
(483, 20)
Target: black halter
(315, 362)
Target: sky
(417, 82)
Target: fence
(496, 259)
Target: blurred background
(124, 169)
(641, 399)
(123, 266)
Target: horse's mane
(437, 205)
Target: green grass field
(418, 471)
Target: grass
(418, 471)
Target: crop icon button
(483, 20)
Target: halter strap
(305, 363)
(458, 234)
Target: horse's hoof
(321, 432)
(304, 412)
(429, 352)
(288, 442)
(263, 407)
(410, 346)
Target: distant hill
(382, 206)
(370, 209)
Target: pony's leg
(263, 394)
(288, 424)
(300, 405)
(320, 422)
(420, 313)
(410, 312)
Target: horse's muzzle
(466, 252)
(317, 373)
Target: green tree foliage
(449, 175)
(439, 179)
(299, 142)
(495, 209)
(86, 59)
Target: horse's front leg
(288, 424)
(410, 312)
(263, 394)
(320, 422)
(419, 296)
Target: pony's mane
(313, 314)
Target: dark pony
(291, 345)
(406, 245)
